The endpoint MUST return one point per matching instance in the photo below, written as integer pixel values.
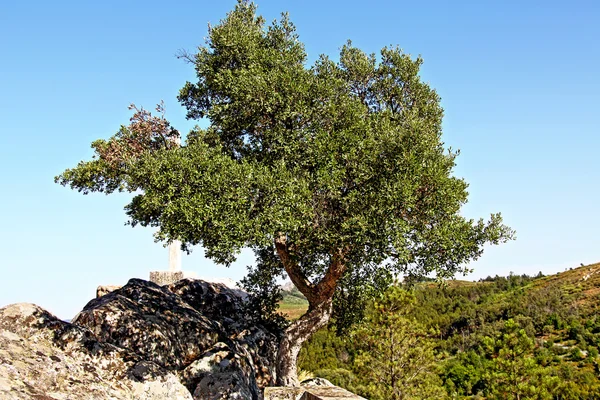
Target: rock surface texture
(312, 389)
(43, 358)
(187, 340)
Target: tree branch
(326, 286)
(293, 270)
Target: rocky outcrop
(44, 358)
(191, 334)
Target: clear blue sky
(518, 80)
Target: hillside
(581, 284)
(293, 304)
(550, 322)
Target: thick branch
(293, 270)
(326, 286)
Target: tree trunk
(294, 336)
(319, 298)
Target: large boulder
(44, 358)
(151, 322)
(190, 339)
(197, 329)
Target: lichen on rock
(42, 357)
(191, 339)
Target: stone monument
(174, 273)
(175, 256)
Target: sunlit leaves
(335, 156)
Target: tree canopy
(338, 167)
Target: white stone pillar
(175, 256)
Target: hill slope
(293, 304)
(556, 318)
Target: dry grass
(292, 311)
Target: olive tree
(336, 169)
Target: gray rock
(316, 382)
(44, 358)
(313, 389)
(182, 327)
(221, 373)
(151, 322)
(190, 339)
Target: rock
(105, 289)
(221, 373)
(167, 387)
(187, 340)
(214, 300)
(194, 328)
(44, 358)
(152, 322)
(224, 304)
(228, 282)
(313, 389)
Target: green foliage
(327, 351)
(394, 355)
(388, 356)
(512, 368)
(339, 158)
(487, 343)
(116, 158)
(265, 293)
(339, 377)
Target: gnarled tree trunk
(294, 336)
(319, 296)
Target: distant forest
(515, 337)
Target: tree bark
(293, 338)
(319, 298)
(294, 272)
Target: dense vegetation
(515, 337)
